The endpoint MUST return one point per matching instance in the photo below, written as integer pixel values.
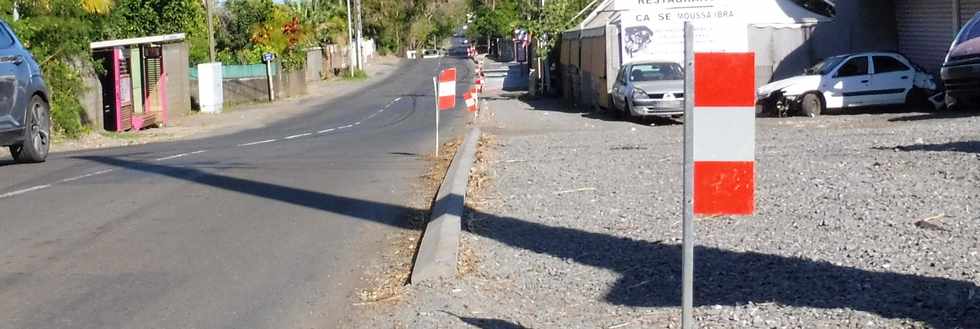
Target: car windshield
(826, 65)
(970, 31)
(656, 72)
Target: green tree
(58, 33)
(137, 18)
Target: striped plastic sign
(447, 89)
(724, 134)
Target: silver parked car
(648, 89)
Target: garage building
(927, 28)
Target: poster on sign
(653, 30)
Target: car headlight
(640, 94)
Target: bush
(358, 75)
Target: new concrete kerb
(437, 255)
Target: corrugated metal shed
(925, 31)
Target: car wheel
(37, 139)
(628, 112)
(812, 105)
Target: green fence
(241, 71)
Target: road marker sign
(724, 134)
(719, 147)
(447, 89)
(472, 99)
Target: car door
(850, 84)
(619, 89)
(892, 79)
(12, 66)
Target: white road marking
(100, 172)
(357, 123)
(257, 143)
(345, 127)
(325, 131)
(298, 136)
(19, 192)
(179, 155)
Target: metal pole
(687, 305)
(350, 41)
(360, 36)
(435, 87)
(210, 12)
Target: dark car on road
(961, 69)
(25, 117)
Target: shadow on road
(935, 116)
(650, 271)
(962, 147)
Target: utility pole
(350, 41)
(360, 37)
(210, 12)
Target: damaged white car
(865, 79)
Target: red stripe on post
(724, 188)
(447, 75)
(447, 103)
(724, 79)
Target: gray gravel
(864, 221)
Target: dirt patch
(389, 287)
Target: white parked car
(865, 79)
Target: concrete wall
(256, 90)
(91, 98)
(314, 64)
(176, 64)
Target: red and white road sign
(471, 98)
(468, 97)
(724, 133)
(447, 89)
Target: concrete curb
(437, 255)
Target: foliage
(326, 20)
(357, 75)
(496, 20)
(387, 21)
(58, 33)
(137, 18)
(254, 27)
(553, 19)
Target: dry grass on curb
(389, 286)
(477, 198)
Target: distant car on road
(864, 79)
(25, 117)
(648, 89)
(961, 69)
(431, 53)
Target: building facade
(927, 28)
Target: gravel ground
(864, 221)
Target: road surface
(266, 228)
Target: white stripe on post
(724, 134)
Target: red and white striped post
(719, 146)
(445, 91)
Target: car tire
(37, 134)
(812, 105)
(628, 113)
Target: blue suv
(25, 117)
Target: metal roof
(168, 38)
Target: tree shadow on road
(962, 147)
(650, 270)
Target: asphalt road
(266, 228)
